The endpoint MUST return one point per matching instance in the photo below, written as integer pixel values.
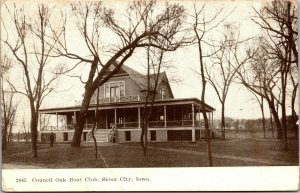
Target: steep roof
(136, 76)
(142, 80)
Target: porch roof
(132, 104)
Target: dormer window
(114, 89)
(162, 93)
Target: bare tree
(279, 20)
(95, 123)
(201, 27)
(25, 129)
(8, 105)
(93, 18)
(154, 64)
(260, 100)
(9, 109)
(222, 72)
(260, 76)
(293, 92)
(31, 48)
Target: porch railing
(175, 123)
(125, 99)
(156, 123)
(114, 100)
(65, 127)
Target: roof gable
(142, 80)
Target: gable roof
(142, 80)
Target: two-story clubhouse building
(121, 103)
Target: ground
(231, 152)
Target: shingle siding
(134, 88)
(131, 88)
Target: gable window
(114, 89)
(162, 93)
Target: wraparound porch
(185, 118)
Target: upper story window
(114, 89)
(162, 93)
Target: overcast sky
(239, 104)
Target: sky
(239, 104)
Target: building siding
(131, 87)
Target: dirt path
(233, 157)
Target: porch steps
(101, 135)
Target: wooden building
(121, 103)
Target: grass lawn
(131, 155)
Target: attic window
(162, 93)
(114, 89)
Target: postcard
(149, 95)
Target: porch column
(193, 114)
(193, 134)
(139, 116)
(200, 116)
(75, 118)
(115, 116)
(165, 115)
(56, 121)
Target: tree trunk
(144, 132)
(263, 116)
(82, 117)
(95, 126)
(294, 114)
(33, 129)
(146, 138)
(223, 121)
(272, 127)
(4, 135)
(207, 137)
(207, 131)
(284, 126)
(276, 120)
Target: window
(127, 136)
(114, 89)
(162, 93)
(65, 136)
(153, 135)
(106, 88)
(122, 89)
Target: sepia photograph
(149, 95)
